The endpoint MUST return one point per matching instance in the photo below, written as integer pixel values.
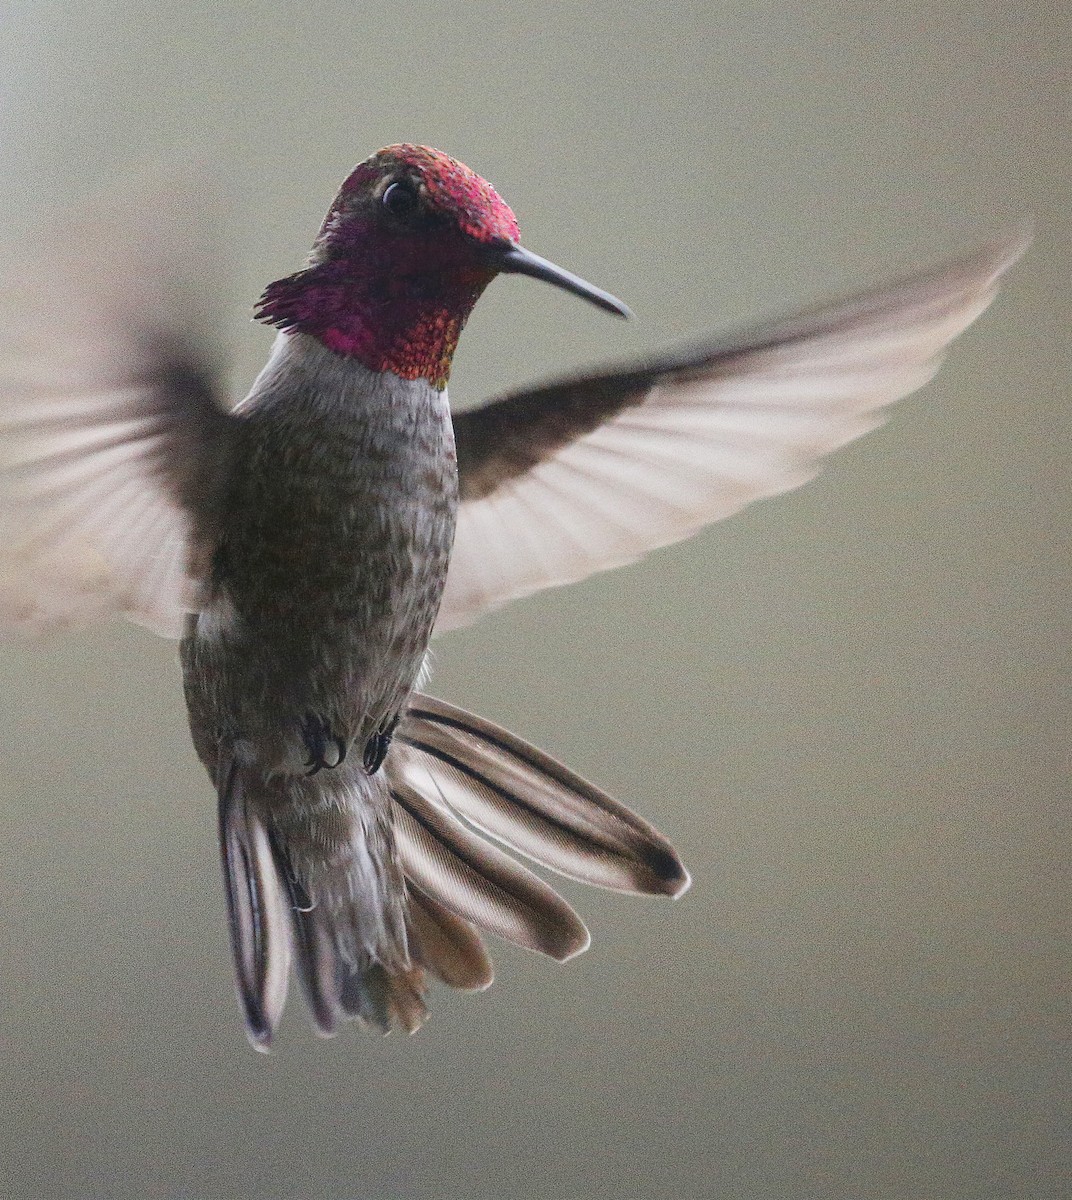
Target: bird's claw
(377, 746)
(320, 742)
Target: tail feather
(372, 882)
(478, 882)
(385, 999)
(257, 909)
(531, 802)
(446, 945)
(337, 983)
(316, 959)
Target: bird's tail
(312, 879)
(366, 899)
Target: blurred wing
(585, 474)
(113, 440)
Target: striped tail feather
(530, 802)
(256, 909)
(336, 989)
(457, 781)
(477, 881)
(350, 960)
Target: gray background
(848, 706)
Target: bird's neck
(331, 390)
(406, 322)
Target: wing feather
(590, 473)
(113, 436)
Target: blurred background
(849, 706)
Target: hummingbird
(306, 544)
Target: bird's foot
(325, 749)
(377, 746)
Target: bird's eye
(401, 199)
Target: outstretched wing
(113, 436)
(588, 473)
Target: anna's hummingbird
(306, 544)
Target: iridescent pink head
(410, 242)
(445, 186)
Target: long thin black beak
(515, 260)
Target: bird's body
(329, 568)
(307, 543)
(326, 580)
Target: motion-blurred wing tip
(991, 260)
(1013, 245)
